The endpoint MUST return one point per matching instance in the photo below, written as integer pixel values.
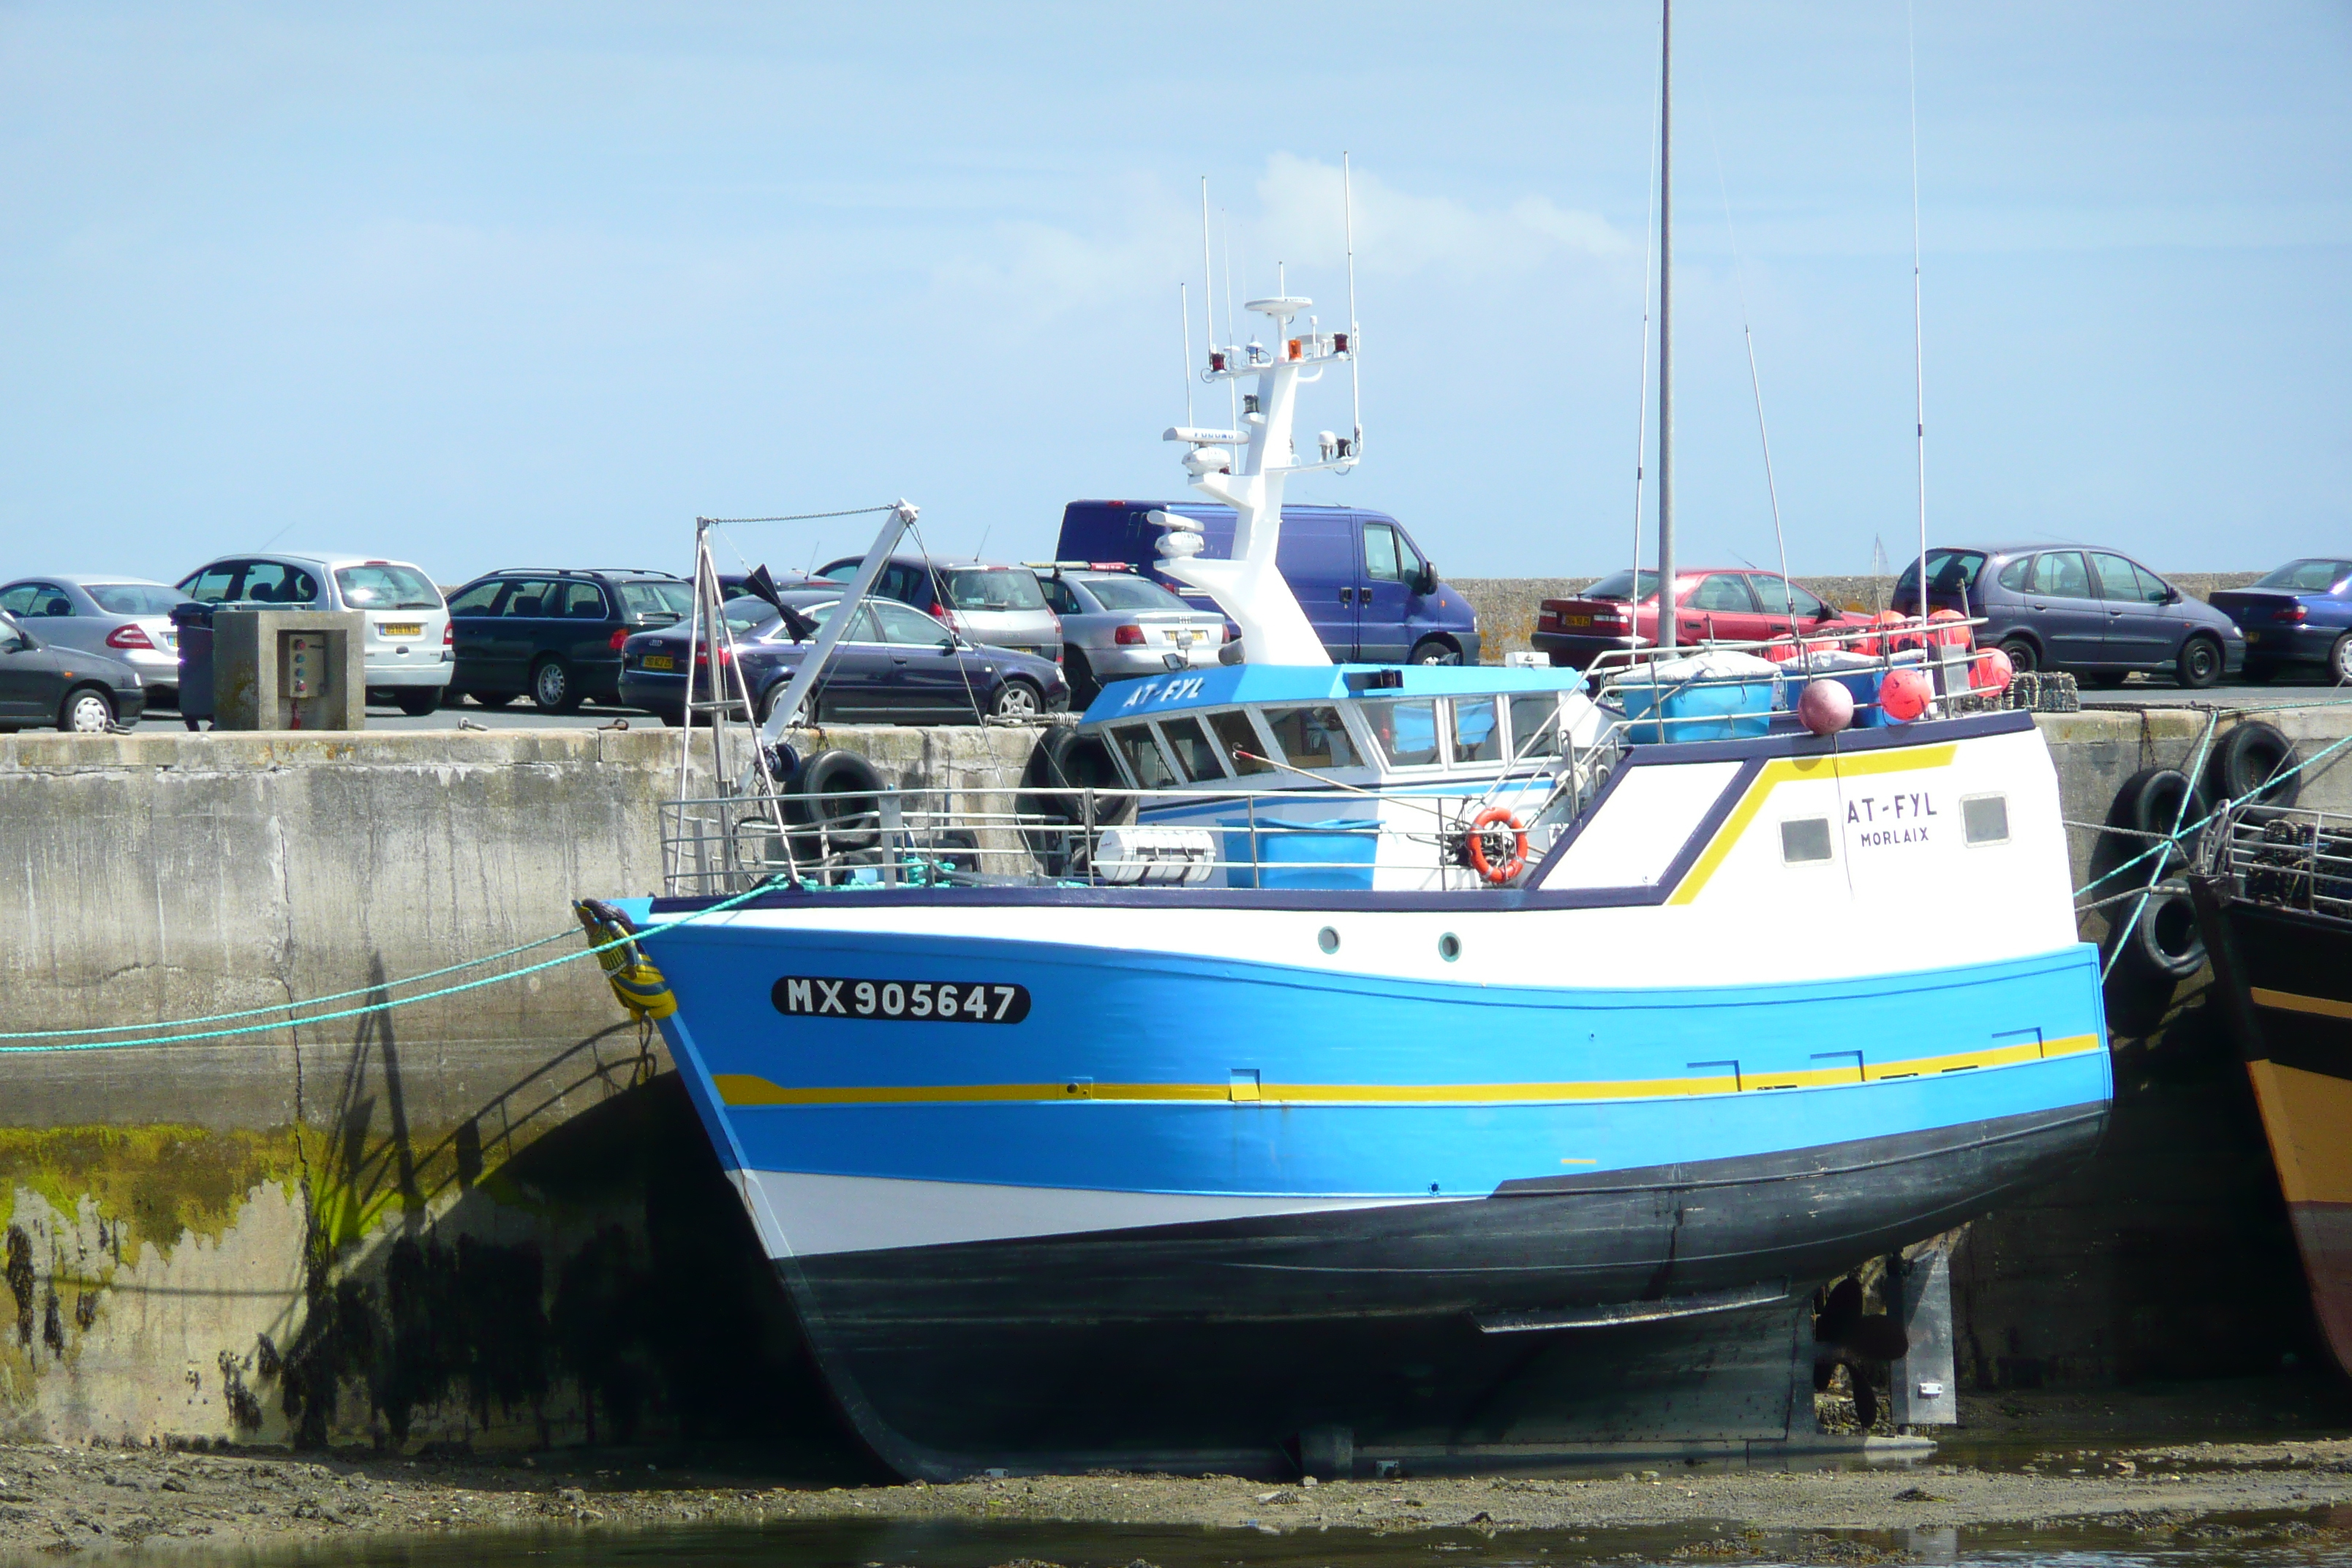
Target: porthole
(1449, 947)
(1328, 939)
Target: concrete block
(290, 669)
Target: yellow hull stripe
(1787, 770)
(2288, 1002)
(750, 1089)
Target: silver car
(409, 652)
(1000, 606)
(1117, 626)
(125, 618)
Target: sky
(489, 285)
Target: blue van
(1373, 597)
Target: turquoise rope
(286, 1006)
(2166, 847)
(398, 1002)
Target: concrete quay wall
(484, 1218)
(490, 1218)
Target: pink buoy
(1903, 694)
(1991, 671)
(1825, 706)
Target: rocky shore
(103, 1500)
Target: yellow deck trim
(2288, 1002)
(750, 1089)
(1787, 770)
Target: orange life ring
(1496, 815)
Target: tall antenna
(1355, 345)
(1233, 383)
(1918, 332)
(1184, 318)
(1641, 414)
(1208, 279)
(1666, 330)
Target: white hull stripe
(809, 1216)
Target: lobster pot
(1335, 853)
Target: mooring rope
(64, 1039)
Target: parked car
(407, 646)
(1370, 592)
(1118, 626)
(1712, 603)
(895, 666)
(555, 636)
(1001, 606)
(2299, 614)
(129, 618)
(2094, 612)
(44, 683)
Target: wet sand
(98, 1499)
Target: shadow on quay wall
(662, 1323)
(2168, 1257)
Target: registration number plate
(1182, 636)
(401, 629)
(660, 661)
(2253, 636)
(941, 1001)
(1576, 620)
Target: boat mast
(1665, 331)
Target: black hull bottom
(1417, 1332)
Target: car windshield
(1132, 593)
(992, 588)
(2302, 576)
(1948, 571)
(1620, 585)
(134, 598)
(381, 586)
(642, 599)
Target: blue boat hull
(1174, 1208)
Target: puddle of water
(2244, 1542)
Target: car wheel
(1084, 687)
(551, 689)
(2200, 665)
(768, 698)
(1017, 699)
(87, 712)
(2339, 661)
(416, 701)
(2024, 658)
(1434, 650)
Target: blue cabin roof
(1285, 683)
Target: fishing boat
(2272, 893)
(1322, 1067)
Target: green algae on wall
(157, 1182)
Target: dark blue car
(2097, 612)
(2299, 614)
(896, 666)
(1371, 594)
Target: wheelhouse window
(1315, 738)
(1195, 753)
(1142, 756)
(1238, 740)
(1477, 730)
(1534, 726)
(1407, 730)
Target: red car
(1729, 603)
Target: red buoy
(1991, 671)
(1960, 636)
(1903, 694)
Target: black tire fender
(841, 773)
(2245, 761)
(2149, 802)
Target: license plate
(401, 629)
(660, 661)
(1576, 620)
(2253, 636)
(1183, 638)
